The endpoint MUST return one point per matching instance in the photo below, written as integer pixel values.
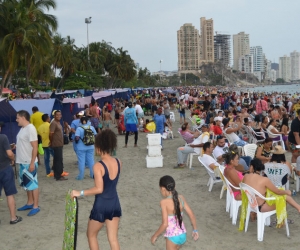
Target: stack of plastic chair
(212, 178)
(263, 218)
(154, 159)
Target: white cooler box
(154, 150)
(154, 139)
(154, 161)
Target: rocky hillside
(211, 74)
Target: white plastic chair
(172, 116)
(255, 135)
(212, 178)
(280, 140)
(249, 150)
(263, 218)
(297, 182)
(228, 197)
(234, 204)
(276, 171)
(190, 158)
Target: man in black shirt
(206, 103)
(294, 137)
(7, 181)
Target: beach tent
(7, 91)
(102, 97)
(8, 115)
(71, 106)
(45, 106)
(42, 95)
(67, 93)
(121, 93)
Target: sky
(147, 29)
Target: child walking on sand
(172, 207)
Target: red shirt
(217, 130)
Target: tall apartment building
(246, 64)
(241, 47)
(207, 39)
(188, 43)
(285, 68)
(258, 58)
(295, 65)
(222, 48)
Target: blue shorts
(178, 239)
(28, 180)
(131, 127)
(182, 115)
(7, 181)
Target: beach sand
(139, 196)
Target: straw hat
(278, 150)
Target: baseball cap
(218, 118)
(81, 113)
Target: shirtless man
(106, 119)
(154, 106)
(148, 104)
(94, 113)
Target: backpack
(88, 137)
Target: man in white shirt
(194, 147)
(207, 159)
(139, 111)
(26, 157)
(222, 148)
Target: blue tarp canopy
(8, 116)
(45, 106)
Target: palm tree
(28, 36)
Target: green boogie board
(71, 223)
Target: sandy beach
(139, 195)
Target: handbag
(40, 149)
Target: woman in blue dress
(106, 206)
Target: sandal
(181, 166)
(19, 218)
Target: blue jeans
(47, 153)
(85, 157)
(240, 143)
(247, 159)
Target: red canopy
(6, 91)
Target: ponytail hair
(228, 157)
(271, 120)
(169, 184)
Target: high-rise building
(207, 39)
(295, 65)
(285, 68)
(246, 64)
(222, 48)
(258, 58)
(241, 47)
(275, 66)
(188, 43)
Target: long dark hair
(271, 120)
(169, 184)
(285, 121)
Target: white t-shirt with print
(23, 147)
(219, 151)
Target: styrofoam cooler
(154, 150)
(154, 161)
(154, 139)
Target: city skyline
(148, 30)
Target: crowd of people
(213, 126)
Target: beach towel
(71, 223)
